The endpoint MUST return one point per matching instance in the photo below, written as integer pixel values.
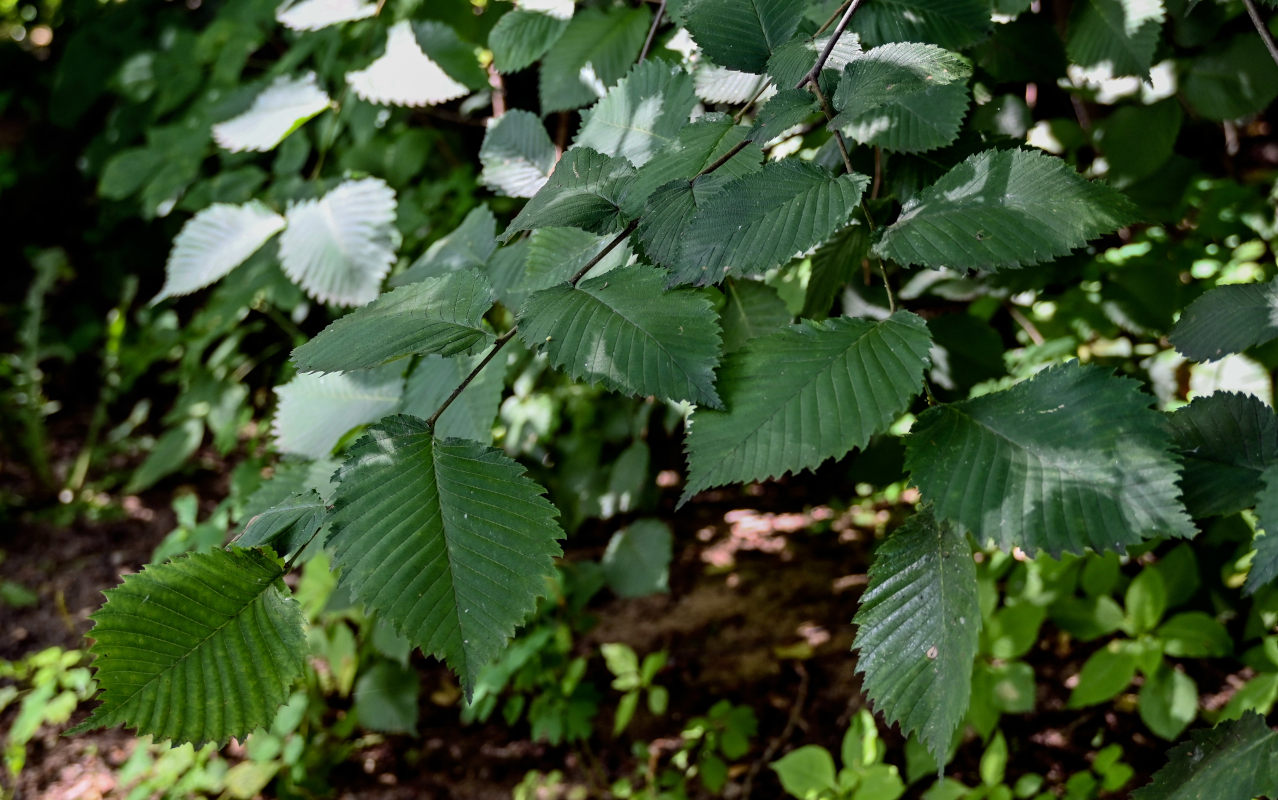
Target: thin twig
(608, 248)
(652, 32)
(837, 13)
(1254, 13)
(723, 159)
(887, 287)
(878, 173)
(792, 721)
(829, 117)
(815, 72)
(499, 91)
(741, 112)
(1030, 330)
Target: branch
(652, 32)
(1262, 30)
(815, 72)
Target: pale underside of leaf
(448, 540)
(339, 248)
(723, 86)
(517, 154)
(917, 630)
(198, 649)
(315, 411)
(1070, 459)
(834, 384)
(312, 15)
(623, 331)
(1003, 209)
(443, 316)
(280, 109)
(404, 75)
(214, 242)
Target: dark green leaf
(1001, 209)
(1264, 567)
(834, 384)
(623, 331)
(637, 561)
(198, 650)
(741, 34)
(953, 24)
(783, 111)
(1228, 319)
(698, 146)
(584, 192)
(521, 37)
(1233, 761)
(1226, 440)
(1232, 82)
(917, 630)
(641, 115)
(386, 698)
(446, 539)
(1120, 33)
(1072, 458)
(443, 315)
(471, 415)
(468, 246)
(753, 309)
(597, 48)
(287, 525)
(168, 454)
(557, 254)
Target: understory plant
(795, 229)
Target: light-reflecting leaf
(906, 97)
(1001, 209)
(584, 192)
(1071, 458)
(200, 649)
(918, 628)
(517, 154)
(280, 109)
(442, 316)
(1228, 319)
(952, 24)
(741, 34)
(312, 15)
(522, 36)
(1226, 440)
(1235, 760)
(833, 384)
(404, 75)
(622, 330)
(339, 247)
(720, 85)
(473, 412)
(214, 242)
(1121, 33)
(448, 540)
(764, 219)
(592, 54)
(642, 114)
(315, 411)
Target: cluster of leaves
(677, 252)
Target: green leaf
(404, 75)
(1232, 81)
(168, 453)
(806, 772)
(918, 628)
(1069, 459)
(592, 54)
(200, 649)
(1228, 319)
(1137, 140)
(952, 24)
(741, 34)
(637, 560)
(339, 248)
(584, 192)
(312, 15)
(642, 114)
(1226, 441)
(1120, 33)
(517, 154)
(1106, 672)
(784, 110)
(1195, 634)
(557, 254)
(522, 36)
(696, 147)
(386, 698)
(448, 540)
(442, 316)
(471, 415)
(455, 55)
(1145, 601)
(762, 220)
(468, 247)
(906, 97)
(623, 331)
(1233, 761)
(286, 526)
(792, 61)
(834, 265)
(315, 411)
(753, 309)
(1264, 567)
(834, 383)
(214, 242)
(281, 108)
(1001, 209)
